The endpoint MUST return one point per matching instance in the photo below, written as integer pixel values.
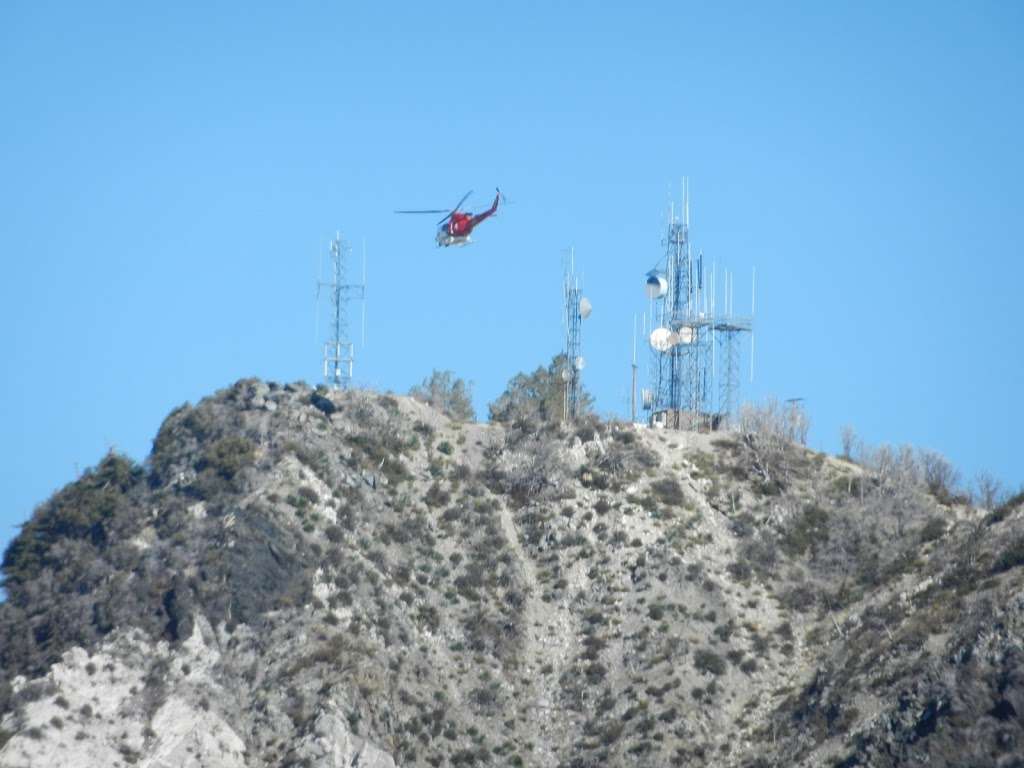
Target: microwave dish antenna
(661, 339)
(657, 286)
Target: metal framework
(572, 319)
(695, 349)
(339, 350)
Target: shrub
(611, 732)
(800, 598)
(227, 457)
(940, 476)
(740, 571)
(776, 422)
(668, 491)
(436, 496)
(1010, 557)
(807, 530)
(533, 469)
(308, 494)
(933, 529)
(709, 661)
(83, 510)
(1003, 510)
(447, 393)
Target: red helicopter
(455, 227)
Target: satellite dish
(580, 362)
(657, 286)
(684, 335)
(661, 339)
(585, 308)
(565, 374)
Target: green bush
(806, 531)
(536, 398)
(82, 511)
(447, 393)
(227, 457)
(709, 661)
(1010, 557)
(740, 570)
(933, 529)
(436, 496)
(308, 494)
(668, 491)
(1003, 510)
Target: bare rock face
(127, 701)
(299, 577)
(332, 745)
(134, 701)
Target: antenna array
(339, 350)
(576, 309)
(694, 345)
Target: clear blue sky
(168, 177)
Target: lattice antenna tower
(678, 381)
(339, 349)
(576, 309)
(688, 337)
(728, 329)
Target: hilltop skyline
(171, 180)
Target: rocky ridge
(310, 578)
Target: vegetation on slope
(527, 593)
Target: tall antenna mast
(339, 350)
(695, 347)
(576, 309)
(632, 389)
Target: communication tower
(694, 347)
(339, 350)
(576, 309)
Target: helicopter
(455, 227)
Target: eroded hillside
(302, 577)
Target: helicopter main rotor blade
(432, 210)
(464, 198)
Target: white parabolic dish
(585, 308)
(661, 339)
(657, 286)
